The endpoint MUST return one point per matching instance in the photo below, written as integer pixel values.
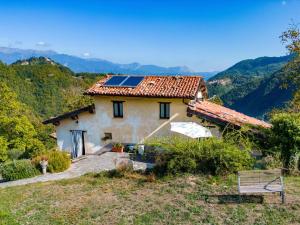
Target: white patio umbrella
(190, 129)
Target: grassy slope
(93, 199)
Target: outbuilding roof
(73, 114)
(154, 86)
(218, 113)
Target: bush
(58, 161)
(209, 156)
(285, 137)
(3, 149)
(35, 148)
(271, 162)
(18, 169)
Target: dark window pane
(164, 110)
(121, 109)
(167, 110)
(118, 109)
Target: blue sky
(203, 35)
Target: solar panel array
(124, 81)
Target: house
(132, 109)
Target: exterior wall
(140, 122)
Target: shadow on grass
(234, 199)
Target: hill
(47, 87)
(92, 65)
(267, 96)
(253, 78)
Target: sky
(208, 35)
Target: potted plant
(118, 147)
(44, 164)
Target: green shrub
(285, 137)
(58, 161)
(3, 149)
(209, 156)
(271, 162)
(18, 169)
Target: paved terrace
(91, 164)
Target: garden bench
(261, 181)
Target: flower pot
(117, 149)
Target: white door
(78, 143)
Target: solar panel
(115, 80)
(131, 81)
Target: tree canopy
(18, 135)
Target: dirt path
(91, 164)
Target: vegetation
(58, 161)
(216, 99)
(285, 135)
(209, 156)
(188, 199)
(251, 86)
(18, 169)
(18, 135)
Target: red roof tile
(221, 113)
(155, 86)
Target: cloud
(42, 44)
(283, 3)
(86, 54)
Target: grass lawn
(98, 199)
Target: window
(164, 110)
(118, 109)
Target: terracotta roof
(225, 115)
(72, 114)
(155, 86)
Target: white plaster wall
(140, 122)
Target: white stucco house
(132, 109)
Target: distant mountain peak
(35, 61)
(93, 65)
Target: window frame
(167, 110)
(120, 109)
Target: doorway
(78, 146)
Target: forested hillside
(267, 96)
(47, 87)
(255, 81)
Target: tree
(295, 102)
(291, 39)
(18, 137)
(285, 132)
(216, 99)
(286, 136)
(3, 149)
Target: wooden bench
(261, 181)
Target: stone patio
(90, 164)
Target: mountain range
(93, 65)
